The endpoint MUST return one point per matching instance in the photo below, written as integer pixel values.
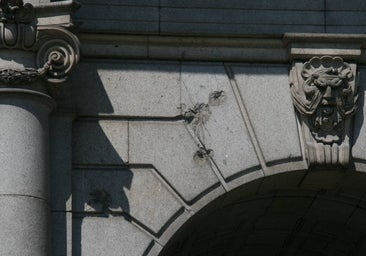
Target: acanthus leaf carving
(324, 93)
(15, 11)
(13, 77)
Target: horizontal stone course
(234, 16)
(222, 18)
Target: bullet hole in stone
(216, 98)
(199, 114)
(202, 155)
(100, 198)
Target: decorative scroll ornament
(325, 94)
(57, 49)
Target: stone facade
(143, 128)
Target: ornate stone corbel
(324, 92)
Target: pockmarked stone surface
(170, 149)
(224, 131)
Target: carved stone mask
(326, 96)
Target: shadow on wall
(358, 122)
(99, 175)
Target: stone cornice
(250, 49)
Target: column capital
(54, 49)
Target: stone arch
(178, 163)
(293, 213)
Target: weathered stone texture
(127, 89)
(224, 132)
(20, 218)
(169, 147)
(266, 95)
(113, 236)
(137, 192)
(61, 162)
(359, 131)
(100, 142)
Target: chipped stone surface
(266, 94)
(170, 148)
(137, 192)
(100, 142)
(224, 132)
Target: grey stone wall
(219, 18)
(163, 124)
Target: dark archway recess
(296, 213)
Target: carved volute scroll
(324, 92)
(57, 49)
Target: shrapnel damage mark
(101, 198)
(202, 154)
(216, 98)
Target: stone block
(113, 236)
(237, 4)
(117, 12)
(24, 226)
(224, 132)
(61, 233)
(137, 192)
(123, 2)
(155, 250)
(117, 26)
(346, 18)
(266, 94)
(61, 161)
(100, 142)
(235, 29)
(330, 210)
(230, 16)
(359, 129)
(351, 5)
(169, 147)
(316, 180)
(339, 29)
(128, 89)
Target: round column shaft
(24, 173)
(36, 59)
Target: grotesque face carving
(326, 96)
